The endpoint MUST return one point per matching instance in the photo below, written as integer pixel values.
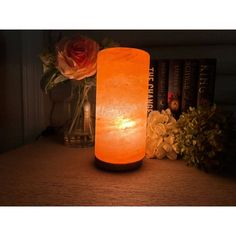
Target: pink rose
(77, 57)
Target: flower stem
(79, 104)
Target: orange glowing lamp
(121, 107)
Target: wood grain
(46, 173)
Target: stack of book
(181, 83)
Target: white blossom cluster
(161, 130)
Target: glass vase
(79, 130)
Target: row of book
(181, 83)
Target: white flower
(161, 129)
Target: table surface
(46, 173)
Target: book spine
(152, 87)
(162, 84)
(175, 86)
(206, 82)
(189, 85)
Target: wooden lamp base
(117, 167)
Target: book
(152, 87)
(206, 82)
(162, 84)
(189, 84)
(175, 86)
(181, 83)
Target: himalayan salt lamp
(121, 107)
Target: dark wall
(22, 108)
(11, 116)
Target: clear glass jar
(80, 128)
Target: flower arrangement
(71, 58)
(74, 59)
(199, 137)
(203, 135)
(161, 132)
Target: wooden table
(46, 173)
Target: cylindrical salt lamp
(121, 107)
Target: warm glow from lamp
(122, 123)
(121, 105)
